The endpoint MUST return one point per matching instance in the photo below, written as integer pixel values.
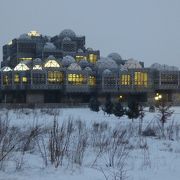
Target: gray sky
(147, 30)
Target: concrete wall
(34, 97)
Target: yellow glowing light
(75, 78)
(34, 34)
(52, 63)
(16, 78)
(160, 96)
(24, 79)
(25, 58)
(141, 79)
(55, 77)
(125, 79)
(78, 58)
(92, 80)
(5, 80)
(120, 97)
(92, 58)
(156, 98)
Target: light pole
(158, 98)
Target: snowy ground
(160, 161)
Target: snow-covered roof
(67, 60)
(49, 46)
(106, 63)
(163, 67)
(67, 33)
(74, 66)
(116, 57)
(132, 64)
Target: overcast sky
(147, 30)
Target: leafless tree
(164, 113)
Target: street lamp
(158, 97)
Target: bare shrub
(9, 140)
(81, 143)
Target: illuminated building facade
(41, 69)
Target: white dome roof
(51, 57)
(24, 36)
(116, 57)
(74, 66)
(106, 63)
(49, 46)
(37, 61)
(67, 60)
(107, 71)
(67, 33)
(88, 69)
(132, 64)
(163, 67)
(83, 63)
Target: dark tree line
(133, 111)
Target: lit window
(78, 58)
(37, 67)
(52, 63)
(92, 58)
(125, 79)
(75, 79)
(21, 67)
(140, 79)
(92, 80)
(16, 78)
(25, 59)
(24, 79)
(5, 80)
(55, 77)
